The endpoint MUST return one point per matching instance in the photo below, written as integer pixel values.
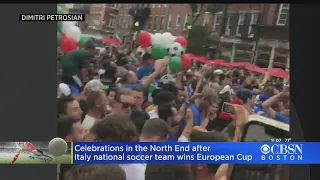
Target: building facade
(255, 33)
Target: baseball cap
(218, 71)
(261, 98)
(64, 89)
(167, 78)
(94, 85)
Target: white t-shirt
(134, 171)
(227, 88)
(88, 122)
(153, 114)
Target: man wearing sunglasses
(123, 101)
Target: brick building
(255, 33)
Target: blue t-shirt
(144, 71)
(172, 138)
(240, 86)
(282, 118)
(257, 108)
(196, 115)
(130, 86)
(190, 90)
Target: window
(155, 23)
(228, 26)
(185, 21)
(153, 5)
(112, 21)
(283, 14)
(159, 5)
(254, 20)
(150, 22)
(216, 23)
(165, 5)
(178, 20)
(162, 23)
(169, 22)
(206, 19)
(240, 23)
(116, 6)
(125, 21)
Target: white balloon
(66, 24)
(168, 39)
(73, 31)
(156, 38)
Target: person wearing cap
(258, 107)
(147, 68)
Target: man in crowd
(74, 67)
(68, 106)
(119, 128)
(147, 68)
(70, 129)
(155, 130)
(97, 107)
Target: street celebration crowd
(156, 93)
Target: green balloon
(59, 26)
(175, 64)
(58, 38)
(152, 86)
(83, 40)
(59, 10)
(158, 51)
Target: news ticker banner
(51, 17)
(32, 153)
(196, 153)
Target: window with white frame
(116, 6)
(206, 19)
(178, 20)
(125, 21)
(153, 5)
(240, 23)
(228, 29)
(150, 22)
(169, 22)
(155, 23)
(162, 24)
(253, 21)
(283, 14)
(159, 5)
(185, 21)
(216, 23)
(112, 21)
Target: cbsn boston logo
(281, 152)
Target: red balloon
(186, 61)
(182, 40)
(144, 39)
(68, 44)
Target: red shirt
(29, 146)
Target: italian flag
(118, 38)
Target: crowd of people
(127, 97)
